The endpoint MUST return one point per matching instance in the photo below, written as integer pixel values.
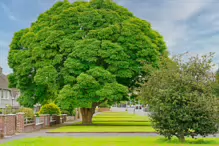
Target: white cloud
(8, 12)
(169, 17)
(173, 17)
(182, 9)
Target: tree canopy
(83, 52)
(216, 84)
(182, 100)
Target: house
(8, 96)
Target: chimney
(0, 70)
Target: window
(1, 96)
(9, 94)
(4, 94)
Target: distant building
(8, 96)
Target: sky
(187, 25)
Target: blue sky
(187, 25)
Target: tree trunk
(87, 115)
(181, 138)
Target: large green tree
(84, 53)
(181, 98)
(216, 84)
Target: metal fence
(28, 121)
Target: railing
(52, 119)
(39, 120)
(28, 121)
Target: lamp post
(12, 103)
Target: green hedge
(51, 109)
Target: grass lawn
(121, 119)
(104, 129)
(98, 123)
(112, 122)
(132, 141)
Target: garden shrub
(8, 109)
(28, 112)
(51, 109)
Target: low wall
(39, 126)
(29, 127)
(10, 124)
(7, 125)
(70, 118)
(2, 126)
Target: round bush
(28, 112)
(51, 109)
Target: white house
(8, 96)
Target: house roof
(4, 84)
(3, 81)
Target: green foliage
(28, 112)
(94, 86)
(83, 53)
(65, 112)
(69, 112)
(51, 109)
(37, 114)
(104, 104)
(8, 109)
(216, 84)
(181, 98)
(74, 112)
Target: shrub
(28, 112)
(51, 109)
(8, 109)
(104, 105)
(181, 98)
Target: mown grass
(121, 119)
(116, 124)
(131, 141)
(112, 122)
(104, 129)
